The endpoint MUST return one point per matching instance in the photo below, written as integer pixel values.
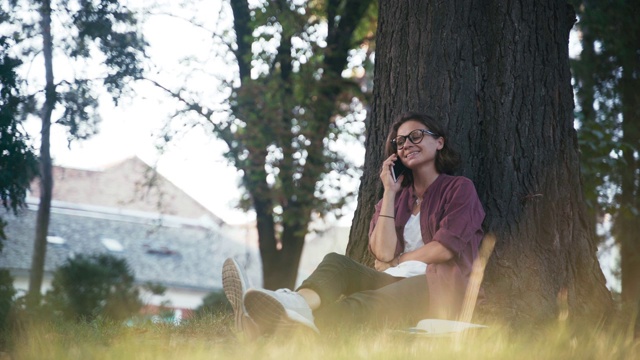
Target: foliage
(610, 52)
(88, 287)
(214, 302)
(155, 288)
(18, 164)
(607, 78)
(86, 46)
(98, 40)
(7, 294)
(298, 96)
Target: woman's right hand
(387, 178)
(383, 238)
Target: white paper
(408, 269)
(438, 326)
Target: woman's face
(424, 152)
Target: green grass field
(212, 337)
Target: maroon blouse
(450, 213)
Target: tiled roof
(184, 256)
(130, 184)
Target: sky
(194, 161)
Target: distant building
(133, 212)
(130, 185)
(317, 245)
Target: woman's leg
(338, 275)
(403, 302)
(310, 297)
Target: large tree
(288, 106)
(97, 44)
(497, 75)
(607, 79)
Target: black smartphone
(397, 169)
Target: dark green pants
(354, 294)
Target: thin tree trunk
(46, 179)
(497, 75)
(627, 226)
(281, 243)
(585, 95)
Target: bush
(7, 293)
(90, 286)
(214, 302)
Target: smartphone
(397, 169)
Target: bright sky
(194, 162)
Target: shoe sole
(267, 312)
(235, 286)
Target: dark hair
(447, 159)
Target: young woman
(427, 222)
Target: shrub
(90, 286)
(214, 302)
(7, 293)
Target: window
(112, 245)
(56, 240)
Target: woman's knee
(334, 258)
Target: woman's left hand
(381, 265)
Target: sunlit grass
(212, 337)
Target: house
(317, 245)
(133, 212)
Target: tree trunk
(585, 96)
(46, 178)
(497, 75)
(281, 236)
(627, 226)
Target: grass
(211, 337)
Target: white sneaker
(235, 283)
(271, 309)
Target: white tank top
(412, 241)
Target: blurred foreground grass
(211, 337)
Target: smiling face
(424, 152)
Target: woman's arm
(459, 223)
(431, 253)
(383, 238)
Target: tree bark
(627, 226)
(497, 75)
(46, 178)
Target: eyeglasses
(415, 137)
